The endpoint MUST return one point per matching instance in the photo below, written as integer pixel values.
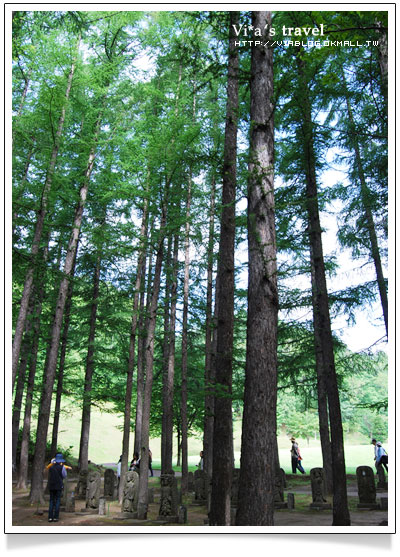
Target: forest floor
(25, 514)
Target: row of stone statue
(171, 509)
(88, 488)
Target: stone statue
(190, 481)
(317, 485)
(110, 482)
(93, 490)
(366, 488)
(200, 486)
(130, 495)
(169, 498)
(279, 502)
(70, 503)
(80, 491)
(318, 489)
(102, 506)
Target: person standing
(119, 471)
(296, 457)
(381, 457)
(57, 473)
(135, 463)
(150, 461)
(201, 462)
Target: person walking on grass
(296, 457)
(57, 474)
(381, 457)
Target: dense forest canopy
(120, 164)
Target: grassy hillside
(106, 442)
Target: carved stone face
(94, 479)
(166, 481)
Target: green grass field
(106, 442)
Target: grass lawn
(106, 443)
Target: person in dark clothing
(56, 485)
(150, 463)
(135, 463)
(296, 457)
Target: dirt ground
(25, 514)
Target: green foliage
(66, 451)
(158, 81)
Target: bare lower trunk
(220, 512)
(143, 326)
(323, 417)
(322, 402)
(341, 516)
(61, 364)
(24, 454)
(149, 361)
(131, 359)
(259, 459)
(322, 324)
(208, 376)
(19, 391)
(168, 386)
(179, 445)
(184, 424)
(166, 339)
(87, 392)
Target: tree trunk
(259, 457)
(323, 416)
(208, 376)
(19, 391)
(87, 391)
(51, 359)
(185, 312)
(341, 516)
(61, 364)
(166, 339)
(149, 361)
(220, 513)
(143, 326)
(184, 424)
(131, 360)
(20, 325)
(23, 468)
(168, 386)
(178, 445)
